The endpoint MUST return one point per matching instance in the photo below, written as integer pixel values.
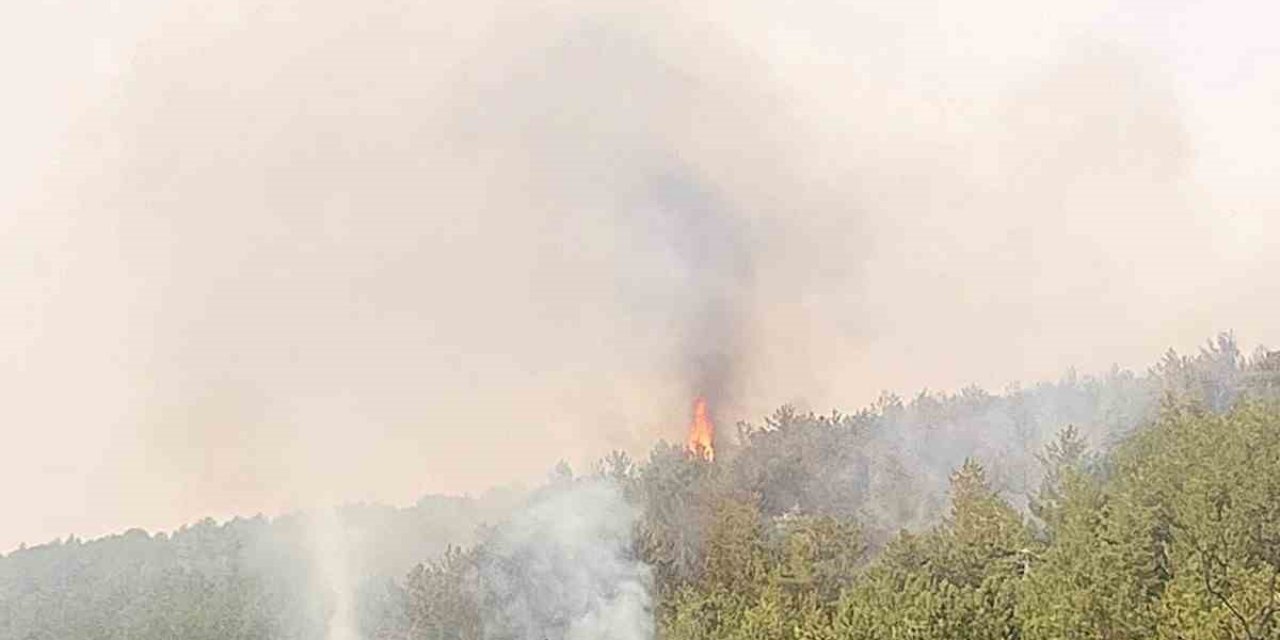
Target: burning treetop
(702, 432)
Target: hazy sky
(261, 254)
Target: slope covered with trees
(248, 578)
(1119, 506)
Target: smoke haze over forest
(259, 256)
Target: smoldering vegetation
(290, 254)
(301, 224)
(252, 577)
(562, 567)
(797, 504)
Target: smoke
(714, 253)
(331, 552)
(264, 252)
(562, 568)
(269, 254)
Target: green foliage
(808, 528)
(1064, 462)
(1213, 482)
(677, 494)
(959, 580)
(1174, 535)
(735, 553)
(1095, 579)
(1180, 542)
(801, 462)
(246, 579)
(819, 554)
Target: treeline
(1176, 534)
(1162, 522)
(1117, 506)
(248, 578)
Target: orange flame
(702, 432)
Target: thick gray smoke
(266, 253)
(562, 568)
(711, 246)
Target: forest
(1120, 505)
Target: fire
(702, 432)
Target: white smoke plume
(331, 552)
(562, 569)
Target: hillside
(1122, 505)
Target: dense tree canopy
(1114, 507)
